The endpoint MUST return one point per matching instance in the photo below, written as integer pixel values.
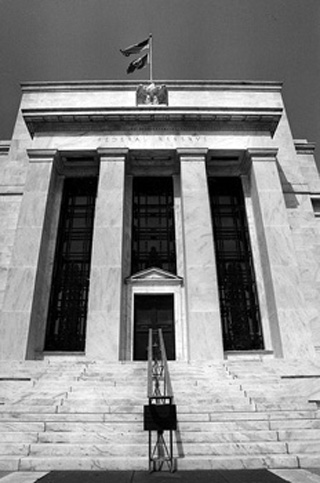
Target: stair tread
(242, 414)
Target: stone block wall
(305, 228)
(11, 190)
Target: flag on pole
(136, 48)
(138, 64)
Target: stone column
(202, 297)
(106, 284)
(16, 337)
(288, 317)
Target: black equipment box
(160, 417)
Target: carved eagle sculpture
(152, 94)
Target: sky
(63, 40)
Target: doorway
(153, 312)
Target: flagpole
(151, 70)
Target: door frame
(155, 281)
(155, 307)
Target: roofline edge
(33, 86)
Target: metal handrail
(167, 381)
(159, 383)
(160, 396)
(150, 358)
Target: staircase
(72, 416)
(287, 395)
(88, 415)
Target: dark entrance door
(153, 312)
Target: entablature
(150, 119)
(152, 162)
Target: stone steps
(14, 449)
(281, 405)
(124, 449)
(89, 437)
(304, 446)
(140, 464)
(187, 422)
(33, 400)
(84, 415)
(141, 437)
(100, 428)
(21, 427)
(116, 416)
(299, 435)
(295, 424)
(23, 408)
(19, 437)
(67, 463)
(138, 449)
(83, 449)
(237, 462)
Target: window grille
(153, 233)
(70, 282)
(237, 287)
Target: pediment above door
(154, 275)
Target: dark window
(70, 283)
(316, 206)
(237, 287)
(153, 236)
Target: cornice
(4, 148)
(304, 147)
(42, 155)
(132, 85)
(262, 154)
(119, 154)
(154, 118)
(192, 153)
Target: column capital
(114, 154)
(42, 155)
(262, 154)
(192, 154)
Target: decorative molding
(152, 119)
(262, 154)
(249, 85)
(77, 163)
(152, 94)
(159, 162)
(192, 154)
(4, 147)
(153, 275)
(113, 154)
(228, 163)
(11, 190)
(42, 155)
(255, 155)
(67, 163)
(304, 147)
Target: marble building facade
(206, 134)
